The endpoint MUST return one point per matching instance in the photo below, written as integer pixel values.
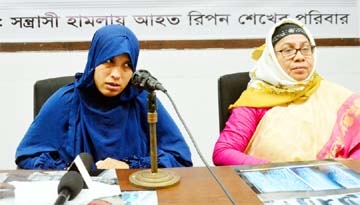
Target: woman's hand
(110, 163)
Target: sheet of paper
(45, 192)
(41, 188)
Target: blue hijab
(78, 118)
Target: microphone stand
(154, 178)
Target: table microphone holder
(154, 178)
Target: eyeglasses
(291, 52)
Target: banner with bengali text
(51, 22)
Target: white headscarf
(267, 70)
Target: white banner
(25, 21)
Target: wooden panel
(165, 44)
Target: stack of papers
(41, 188)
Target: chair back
(43, 89)
(230, 87)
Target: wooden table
(197, 186)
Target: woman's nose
(116, 72)
(298, 55)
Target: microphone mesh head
(87, 160)
(73, 182)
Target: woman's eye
(128, 65)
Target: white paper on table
(45, 192)
(148, 197)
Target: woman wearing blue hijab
(102, 114)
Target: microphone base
(153, 180)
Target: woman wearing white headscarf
(289, 112)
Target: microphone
(83, 164)
(144, 80)
(69, 187)
(86, 159)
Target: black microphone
(69, 187)
(86, 159)
(83, 164)
(144, 80)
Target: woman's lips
(113, 86)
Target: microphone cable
(199, 153)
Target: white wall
(190, 77)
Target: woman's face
(295, 56)
(112, 76)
